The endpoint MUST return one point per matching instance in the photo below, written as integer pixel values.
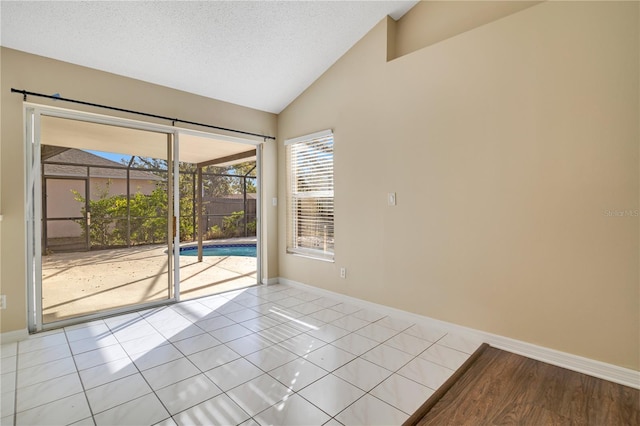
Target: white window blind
(310, 195)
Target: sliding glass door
(120, 213)
(101, 218)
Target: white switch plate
(391, 198)
(274, 201)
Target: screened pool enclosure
(91, 202)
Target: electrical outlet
(3, 302)
(343, 272)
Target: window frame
(324, 248)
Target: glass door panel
(107, 219)
(65, 219)
(219, 214)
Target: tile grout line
(76, 372)
(272, 343)
(359, 357)
(356, 357)
(265, 372)
(111, 332)
(191, 362)
(75, 364)
(397, 332)
(147, 382)
(240, 357)
(15, 402)
(84, 391)
(392, 372)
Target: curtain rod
(26, 93)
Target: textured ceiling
(259, 54)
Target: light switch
(392, 198)
(274, 200)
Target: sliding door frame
(33, 203)
(33, 213)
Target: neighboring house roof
(100, 167)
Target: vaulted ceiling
(259, 54)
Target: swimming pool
(246, 250)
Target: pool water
(246, 250)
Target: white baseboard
(590, 367)
(13, 336)
(270, 281)
(602, 370)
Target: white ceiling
(259, 54)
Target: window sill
(309, 256)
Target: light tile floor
(267, 355)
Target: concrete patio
(87, 282)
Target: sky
(110, 156)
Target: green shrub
(232, 226)
(214, 233)
(108, 226)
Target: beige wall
(511, 147)
(119, 186)
(23, 71)
(432, 21)
(61, 202)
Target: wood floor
(501, 388)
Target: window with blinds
(310, 195)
